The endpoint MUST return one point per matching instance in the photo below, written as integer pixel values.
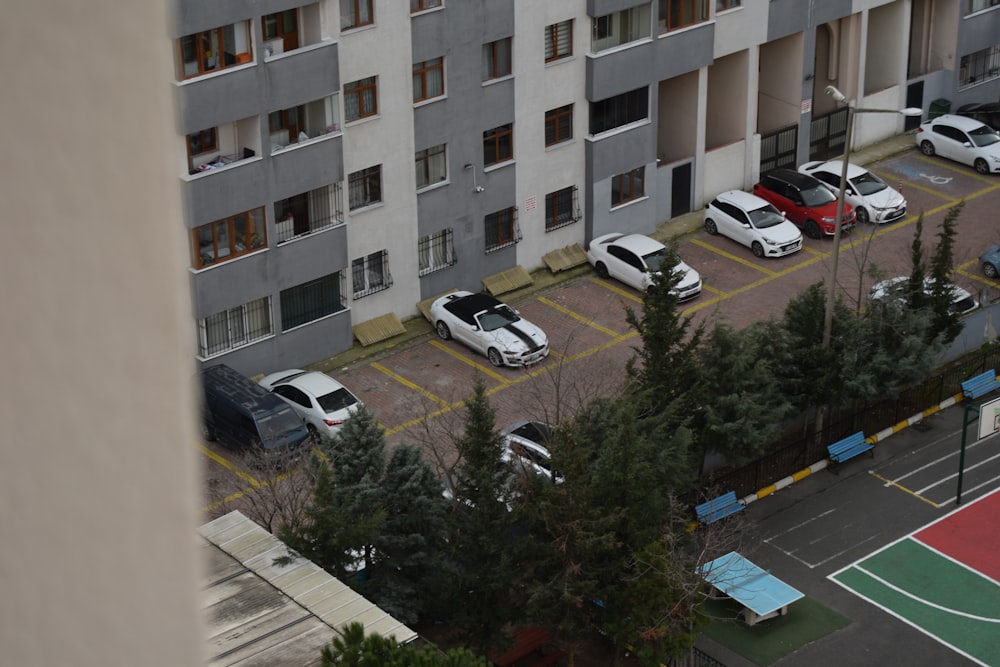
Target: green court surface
(773, 639)
(943, 598)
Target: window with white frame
(497, 59)
(558, 40)
(356, 13)
(628, 186)
(311, 300)
(980, 66)
(234, 327)
(619, 28)
(432, 167)
(361, 99)
(502, 229)
(428, 79)
(561, 208)
(436, 251)
(370, 274)
(308, 212)
(364, 187)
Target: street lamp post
(852, 111)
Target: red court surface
(971, 536)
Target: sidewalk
(417, 327)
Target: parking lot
(416, 390)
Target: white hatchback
(754, 222)
(872, 198)
(961, 139)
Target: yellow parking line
(713, 290)
(485, 370)
(729, 256)
(617, 290)
(406, 383)
(229, 465)
(919, 186)
(579, 318)
(889, 482)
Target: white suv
(963, 140)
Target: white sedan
(754, 222)
(319, 400)
(873, 200)
(525, 450)
(634, 259)
(490, 327)
(962, 301)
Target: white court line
(968, 447)
(813, 566)
(955, 561)
(928, 603)
(955, 474)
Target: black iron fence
(797, 451)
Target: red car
(805, 201)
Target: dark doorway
(827, 134)
(914, 98)
(778, 148)
(680, 190)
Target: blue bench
(718, 508)
(849, 447)
(982, 384)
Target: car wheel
(989, 270)
(602, 270)
(981, 166)
(313, 434)
(927, 148)
(813, 230)
(443, 331)
(862, 214)
(208, 432)
(758, 249)
(494, 356)
(710, 227)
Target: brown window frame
(289, 37)
(286, 122)
(493, 145)
(209, 141)
(501, 229)
(356, 13)
(255, 235)
(665, 7)
(555, 217)
(552, 40)
(358, 89)
(723, 5)
(557, 119)
(424, 5)
(421, 70)
(495, 72)
(369, 180)
(629, 186)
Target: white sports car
(489, 327)
(634, 258)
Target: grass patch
(773, 639)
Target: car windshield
(868, 184)
(764, 217)
(337, 399)
(656, 261)
(984, 136)
(963, 305)
(533, 431)
(499, 316)
(817, 196)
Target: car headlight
(996, 159)
(768, 241)
(828, 219)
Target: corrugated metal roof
(260, 613)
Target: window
(676, 14)
(496, 59)
(421, 5)
(356, 13)
(428, 79)
(310, 301)
(627, 187)
(559, 125)
(980, 5)
(308, 212)
(306, 121)
(498, 144)
(619, 110)
(501, 229)
(436, 251)
(723, 5)
(620, 28)
(230, 237)
(205, 141)
(558, 41)
(234, 327)
(432, 167)
(371, 274)
(361, 98)
(213, 50)
(561, 208)
(287, 126)
(364, 187)
(979, 66)
(283, 26)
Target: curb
(873, 439)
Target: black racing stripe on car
(525, 338)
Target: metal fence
(795, 452)
(696, 658)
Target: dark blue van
(244, 417)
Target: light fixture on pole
(476, 187)
(852, 111)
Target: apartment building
(345, 159)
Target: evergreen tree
(944, 322)
(355, 649)
(914, 292)
(410, 545)
(481, 543)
